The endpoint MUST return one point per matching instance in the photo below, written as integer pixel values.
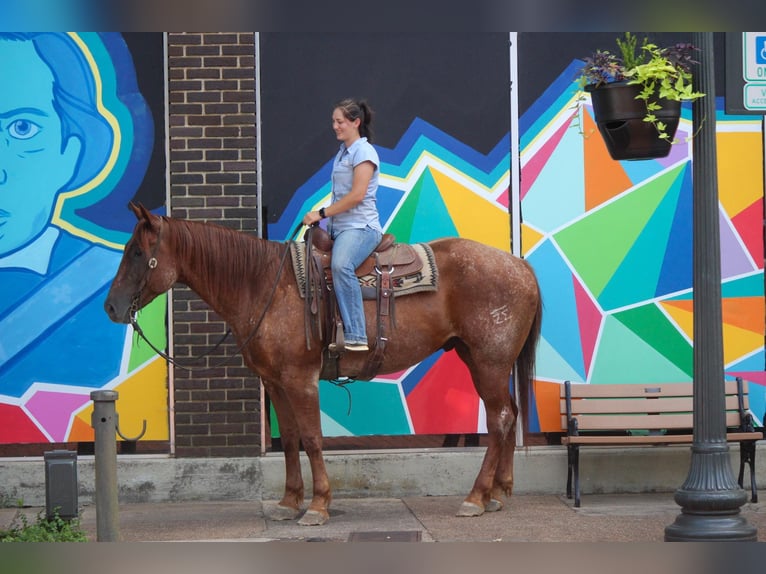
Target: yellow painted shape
(474, 217)
(740, 170)
(681, 312)
(142, 396)
(529, 238)
(739, 342)
(742, 329)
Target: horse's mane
(211, 248)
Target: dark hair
(353, 109)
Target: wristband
(321, 213)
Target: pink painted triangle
(757, 377)
(535, 165)
(590, 321)
(503, 200)
(53, 411)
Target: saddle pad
(427, 279)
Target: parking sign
(754, 56)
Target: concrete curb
(367, 474)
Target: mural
(76, 138)
(431, 186)
(612, 245)
(610, 241)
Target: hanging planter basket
(620, 120)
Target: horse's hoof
(493, 505)
(470, 509)
(314, 518)
(284, 513)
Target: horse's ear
(140, 211)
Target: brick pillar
(212, 178)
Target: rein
(151, 265)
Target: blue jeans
(350, 249)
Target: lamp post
(710, 498)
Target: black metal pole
(710, 498)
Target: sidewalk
(526, 518)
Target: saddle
(389, 262)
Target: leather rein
(134, 308)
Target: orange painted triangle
(604, 176)
(745, 312)
(81, 431)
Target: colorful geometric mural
(611, 242)
(431, 186)
(73, 129)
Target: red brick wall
(212, 178)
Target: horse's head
(146, 269)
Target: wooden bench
(647, 414)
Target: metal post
(710, 498)
(104, 422)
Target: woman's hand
(311, 218)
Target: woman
(354, 223)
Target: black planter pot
(620, 119)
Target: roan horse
(487, 308)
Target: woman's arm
(362, 175)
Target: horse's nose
(109, 308)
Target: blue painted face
(34, 165)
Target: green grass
(43, 529)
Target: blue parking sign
(760, 49)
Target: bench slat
(581, 390)
(635, 405)
(652, 439)
(608, 422)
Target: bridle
(151, 264)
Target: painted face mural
(36, 161)
(73, 130)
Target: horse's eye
(137, 252)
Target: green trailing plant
(661, 73)
(43, 529)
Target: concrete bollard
(104, 422)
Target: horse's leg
(491, 381)
(304, 399)
(292, 499)
(503, 481)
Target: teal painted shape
(550, 365)
(747, 286)
(431, 217)
(376, 408)
(425, 145)
(636, 277)
(561, 323)
(639, 171)
(558, 194)
(623, 357)
(559, 103)
(331, 427)
(653, 326)
(754, 362)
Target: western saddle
(388, 262)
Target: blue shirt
(366, 212)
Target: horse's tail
(524, 371)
